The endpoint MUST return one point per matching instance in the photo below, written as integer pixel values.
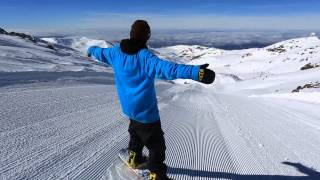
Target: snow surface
(50, 40)
(60, 117)
(305, 96)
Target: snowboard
(142, 173)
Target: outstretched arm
(101, 54)
(156, 67)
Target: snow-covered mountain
(273, 71)
(279, 68)
(78, 43)
(18, 54)
(60, 117)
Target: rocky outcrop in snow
(307, 86)
(309, 66)
(279, 49)
(2, 31)
(22, 35)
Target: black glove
(206, 76)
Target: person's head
(140, 31)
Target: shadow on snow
(309, 172)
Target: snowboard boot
(137, 162)
(154, 176)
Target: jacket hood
(131, 46)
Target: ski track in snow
(48, 133)
(75, 132)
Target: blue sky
(55, 15)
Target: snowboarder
(135, 69)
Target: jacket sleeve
(158, 68)
(101, 54)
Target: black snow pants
(151, 136)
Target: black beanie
(140, 31)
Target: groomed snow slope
(68, 124)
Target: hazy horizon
(218, 38)
(228, 39)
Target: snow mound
(50, 40)
(80, 44)
(188, 53)
(83, 43)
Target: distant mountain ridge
(305, 49)
(20, 52)
(22, 35)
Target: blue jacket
(135, 75)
